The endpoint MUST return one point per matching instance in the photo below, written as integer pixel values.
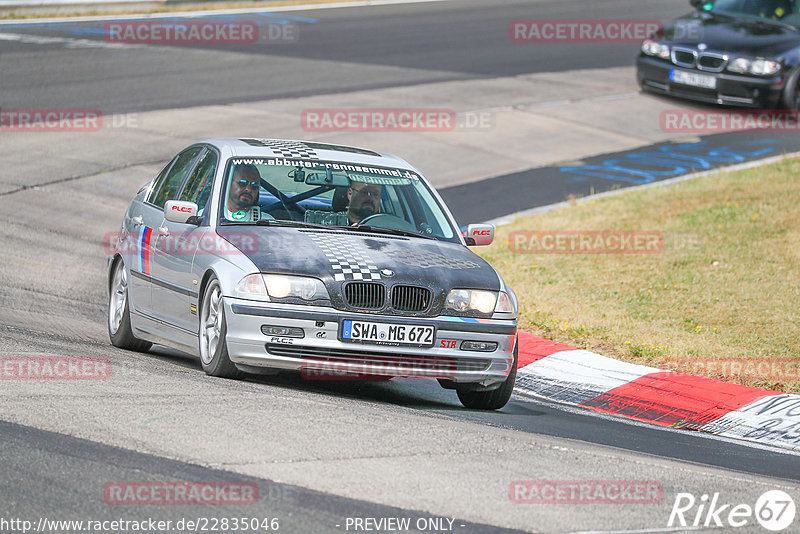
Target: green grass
(726, 285)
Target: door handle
(137, 221)
(163, 231)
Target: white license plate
(691, 78)
(386, 333)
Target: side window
(198, 186)
(394, 204)
(168, 187)
(156, 183)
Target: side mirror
(179, 211)
(696, 3)
(479, 234)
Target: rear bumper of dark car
(732, 90)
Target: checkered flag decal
(289, 149)
(426, 260)
(347, 262)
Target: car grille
(705, 61)
(365, 295)
(373, 363)
(711, 62)
(684, 58)
(411, 298)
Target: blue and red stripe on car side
(144, 249)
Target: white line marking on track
(191, 14)
(533, 398)
(646, 530)
(66, 41)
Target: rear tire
(494, 399)
(212, 331)
(119, 315)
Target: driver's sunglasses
(245, 183)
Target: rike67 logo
(774, 510)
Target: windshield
(780, 10)
(331, 194)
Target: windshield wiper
(382, 230)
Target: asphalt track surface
(76, 464)
(544, 186)
(374, 47)
(338, 450)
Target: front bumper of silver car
(321, 353)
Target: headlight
(281, 286)
(758, 67)
(740, 65)
(764, 67)
(653, 48)
(466, 300)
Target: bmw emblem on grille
(702, 46)
(388, 273)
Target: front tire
(494, 399)
(213, 329)
(791, 94)
(119, 315)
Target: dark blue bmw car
(732, 52)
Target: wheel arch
(207, 275)
(112, 264)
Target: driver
(243, 194)
(363, 200)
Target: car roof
(299, 149)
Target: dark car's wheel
(213, 349)
(119, 316)
(494, 399)
(791, 94)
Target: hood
(727, 33)
(338, 257)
